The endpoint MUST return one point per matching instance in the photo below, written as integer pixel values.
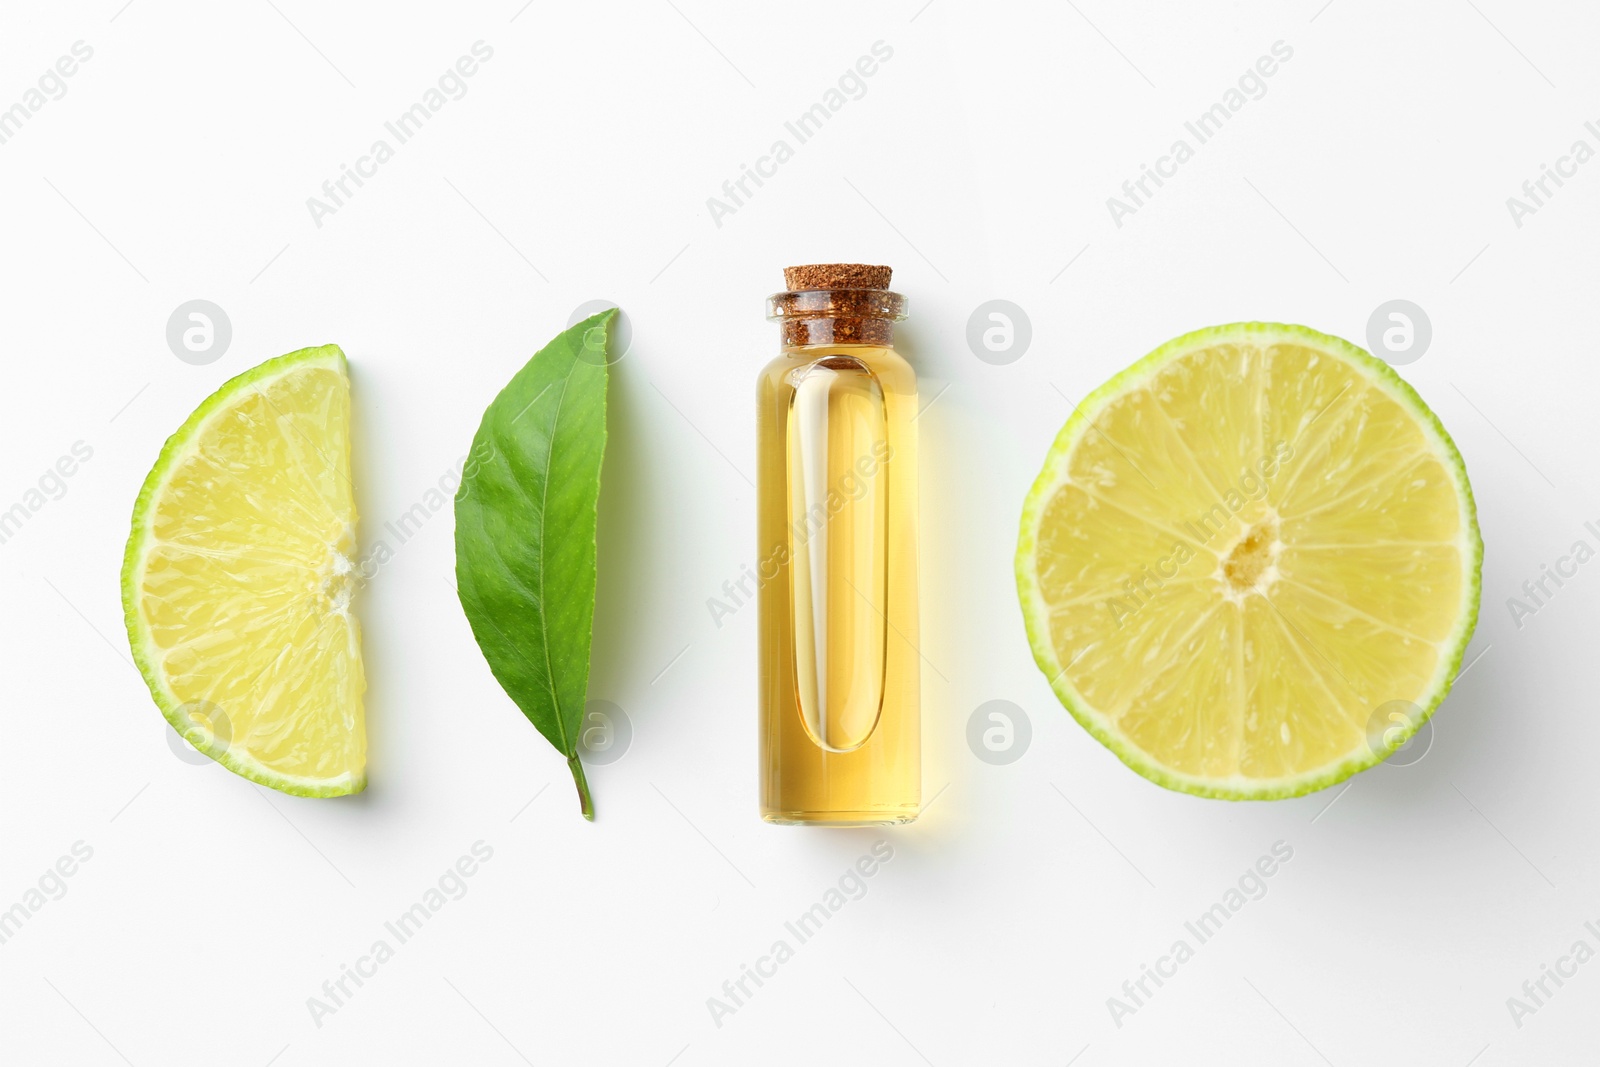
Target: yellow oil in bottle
(840, 718)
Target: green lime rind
(145, 654)
(1036, 613)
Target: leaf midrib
(544, 561)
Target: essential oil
(837, 499)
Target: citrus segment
(238, 578)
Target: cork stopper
(836, 276)
(837, 304)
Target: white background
(577, 167)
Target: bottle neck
(798, 333)
(837, 316)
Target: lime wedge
(238, 576)
(1244, 554)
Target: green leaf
(525, 532)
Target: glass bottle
(837, 501)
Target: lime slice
(237, 581)
(1243, 555)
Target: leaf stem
(586, 801)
